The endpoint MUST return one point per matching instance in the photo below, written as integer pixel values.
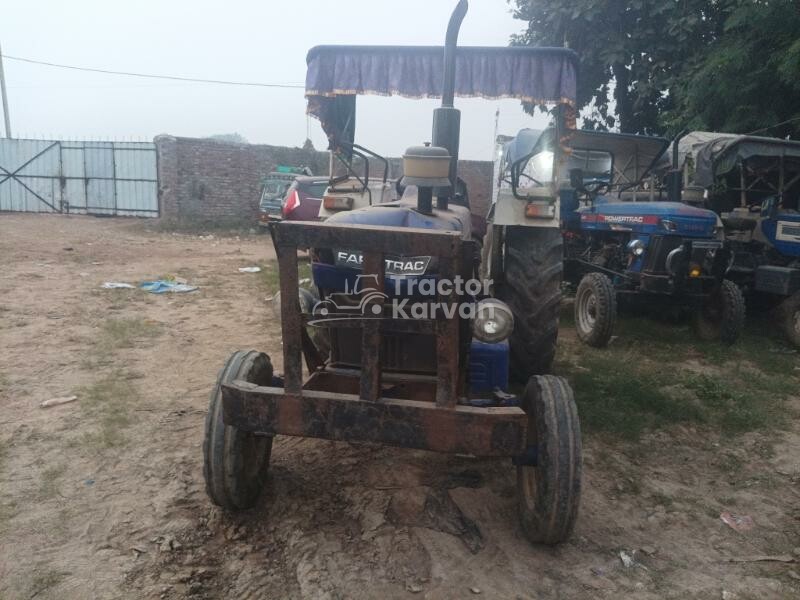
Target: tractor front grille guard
(355, 406)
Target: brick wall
(202, 179)
(205, 179)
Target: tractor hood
(649, 217)
(404, 213)
(342, 270)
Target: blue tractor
(753, 183)
(418, 348)
(624, 242)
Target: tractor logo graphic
(363, 300)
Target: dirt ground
(104, 497)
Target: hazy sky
(262, 41)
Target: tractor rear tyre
(721, 317)
(236, 462)
(548, 494)
(790, 318)
(531, 287)
(595, 310)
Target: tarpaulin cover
(544, 76)
(715, 154)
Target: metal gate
(97, 178)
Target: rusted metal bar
(447, 337)
(494, 431)
(427, 326)
(291, 323)
(404, 241)
(371, 335)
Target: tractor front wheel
(531, 285)
(595, 310)
(721, 317)
(790, 318)
(236, 462)
(548, 493)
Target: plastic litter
(737, 522)
(57, 401)
(163, 287)
(629, 560)
(249, 269)
(117, 285)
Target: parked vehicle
(273, 191)
(435, 382)
(303, 198)
(753, 183)
(617, 248)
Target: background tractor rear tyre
(722, 315)
(595, 310)
(236, 462)
(531, 286)
(548, 494)
(790, 318)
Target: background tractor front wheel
(531, 286)
(595, 310)
(236, 462)
(721, 317)
(548, 494)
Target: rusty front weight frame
(368, 405)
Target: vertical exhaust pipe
(450, 43)
(447, 119)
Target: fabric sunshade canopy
(336, 74)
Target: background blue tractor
(623, 242)
(753, 183)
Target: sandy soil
(104, 497)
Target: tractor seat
(739, 223)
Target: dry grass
(50, 483)
(125, 332)
(107, 402)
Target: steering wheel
(595, 187)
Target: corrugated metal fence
(99, 178)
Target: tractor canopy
(713, 154)
(624, 159)
(336, 74)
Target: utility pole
(4, 94)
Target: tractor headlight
(493, 321)
(636, 247)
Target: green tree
(643, 63)
(748, 79)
